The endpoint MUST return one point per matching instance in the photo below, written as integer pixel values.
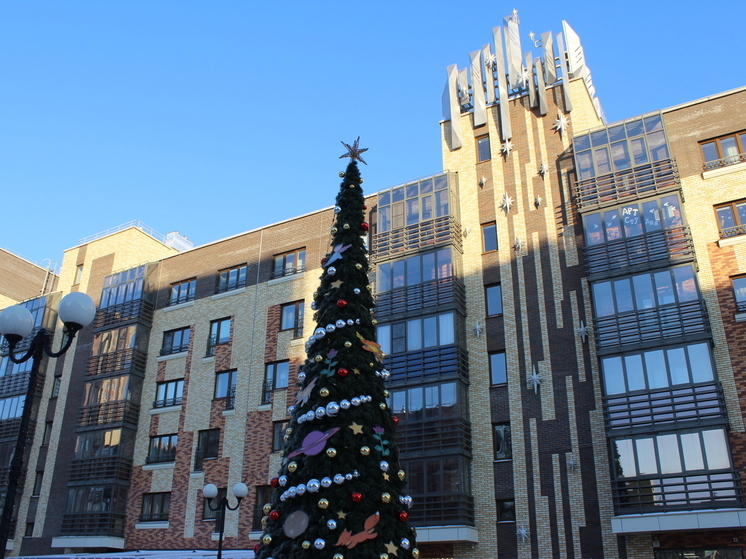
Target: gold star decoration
(337, 283)
(354, 151)
(386, 476)
(356, 371)
(391, 548)
(341, 515)
(356, 429)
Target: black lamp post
(210, 491)
(76, 310)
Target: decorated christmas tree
(340, 493)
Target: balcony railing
(287, 272)
(646, 328)
(9, 429)
(421, 298)
(701, 403)
(644, 180)
(124, 361)
(155, 517)
(434, 364)
(110, 412)
(130, 311)
(16, 383)
(442, 230)
(167, 402)
(93, 524)
(733, 231)
(160, 457)
(645, 252)
(438, 509)
(725, 161)
(433, 436)
(86, 470)
(671, 492)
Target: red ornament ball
(365, 207)
(324, 261)
(395, 419)
(257, 547)
(403, 516)
(364, 226)
(274, 515)
(356, 496)
(341, 303)
(342, 372)
(275, 482)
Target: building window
(183, 291)
(169, 393)
(97, 499)
(292, 318)
(122, 287)
(671, 286)
(119, 339)
(620, 147)
(289, 263)
(483, 149)
(275, 377)
(207, 512)
(37, 484)
(506, 511)
(420, 403)
(494, 299)
(11, 408)
(98, 444)
(231, 278)
(413, 203)
(731, 218)
(448, 474)
(47, 437)
(263, 496)
(78, 274)
(29, 530)
(498, 368)
(723, 151)
(155, 507)
(208, 444)
(113, 389)
(56, 383)
(502, 441)
(175, 341)
(225, 386)
(417, 334)
(700, 553)
(657, 368)
(278, 435)
(220, 333)
(489, 237)
(162, 448)
(414, 270)
(739, 290)
(633, 219)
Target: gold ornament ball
(369, 287)
(266, 539)
(359, 266)
(386, 393)
(371, 364)
(352, 186)
(266, 509)
(289, 430)
(331, 452)
(341, 174)
(318, 359)
(348, 344)
(334, 230)
(361, 181)
(286, 437)
(306, 544)
(401, 475)
(338, 556)
(365, 450)
(382, 405)
(416, 553)
(292, 467)
(386, 497)
(265, 519)
(324, 392)
(315, 294)
(374, 322)
(383, 556)
(323, 504)
(346, 226)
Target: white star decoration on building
(533, 39)
(535, 379)
(524, 77)
(522, 533)
(518, 244)
(543, 169)
(478, 329)
(514, 16)
(582, 331)
(490, 61)
(506, 203)
(507, 147)
(538, 201)
(483, 181)
(561, 123)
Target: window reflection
(631, 221)
(413, 203)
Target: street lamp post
(76, 310)
(210, 491)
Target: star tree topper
(354, 151)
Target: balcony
(108, 413)
(16, 383)
(700, 404)
(434, 436)
(676, 492)
(648, 328)
(93, 524)
(442, 509)
(440, 231)
(635, 254)
(724, 162)
(422, 298)
(102, 468)
(9, 429)
(130, 311)
(615, 188)
(428, 365)
(117, 362)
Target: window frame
(433, 201)
(226, 282)
(47, 435)
(158, 452)
(392, 334)
(38, 481)
(740, 300)
(171, 337)
(166, 388)
(485, 228)
(297, 317)
(505, 511)
(724, 160)
(278, 435)
(299, 261)
(215, 337)
(483, 153)
(501, 437)
(182, 292)
(487, 289)
(413, 269)
(739, 221)
(149, 502)
(230, 385)
(56, 385)
(208, 447)
(207, 512)
(492, 355)
(270, 380)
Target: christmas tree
(340, 493)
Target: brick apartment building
(561, 308)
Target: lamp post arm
(42, 342)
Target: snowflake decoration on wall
(518, 244)
(538, 201)
(483, 181)
(582, 331)
(561, 123)
(478, 329)
(507, 147)
(522, 533)
(534, 379)
(543, 169)
(490, 61)
(506, 203)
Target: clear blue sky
(213, 118)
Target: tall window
(114, 389)
(414, 270)
(278, 435)
(498, 368)
(292, 318)
(502, 441)
(47, 437)
(725, 150)
(275, 377)
(122, 287)
(38, 480)
(119, 339)
(489, 237)
(494, 298)
(448, 474)
(220, 333)
(162, 448)
(425, 402)
(56, 384)
(731, 218)
(506, 511)
(208, 444)
(175, 341)
(97, 444)
(413, 203)
(225, 384)
(207, 512)
(78, 274)
(289, 263)
(231, 278)
(96, 499)
(739, 290)
(169, 393)
(11, 408)
(417, 333)
(483, 149)
(263, 496)
(155, 507)
(183, 291)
